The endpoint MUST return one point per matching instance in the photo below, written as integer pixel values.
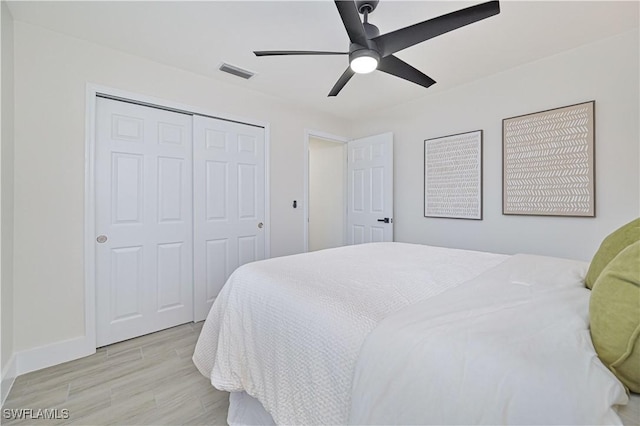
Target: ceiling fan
(369, 50)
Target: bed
(396, 333)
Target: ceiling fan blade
(406, 37)
(295, 52)
(351, 21)
(344, 79)
(399, 68)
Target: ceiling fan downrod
(365, 7)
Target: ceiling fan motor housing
(370, 30)
(364, 52)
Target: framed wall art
(453, 176)
(548, 162)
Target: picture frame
(453, 176)
(548, 162)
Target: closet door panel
(144, 238)
(229, 191)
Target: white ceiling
(198, 36)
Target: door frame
(308, 134)
(92, 93)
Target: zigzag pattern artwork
(453, 176)
(548, 162)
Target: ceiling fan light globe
(364, 64)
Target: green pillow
(614, 316)
(617, 241)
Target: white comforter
(288, 330)
(509, 347)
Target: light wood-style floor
(149, 380)
(630, 413)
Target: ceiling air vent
(237, 71)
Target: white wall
(606, 71)
(6, 204)
(51, 71)
(327, 187)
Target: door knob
(385, 220)
(101, 239)
(260, 225)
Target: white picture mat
(548, 162)
(453, 176)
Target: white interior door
(229, 206)
(370, 189)
(144, 247)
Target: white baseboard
(9, 374)
(41, 357)
(56, 353)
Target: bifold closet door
(144, 246)
(229, 203)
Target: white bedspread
(509, 347)
(288, 330)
